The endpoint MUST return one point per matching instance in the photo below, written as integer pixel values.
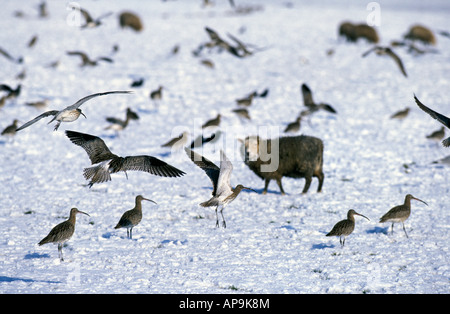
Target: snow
(272, 244)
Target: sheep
(292, 156)
(421, 33)
(129, 19)
(352, 32)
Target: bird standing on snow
(223, 193)
(345, 227)
(10, 130)
(132, 217)
(400, 213)
(62, 232)
(400, 115)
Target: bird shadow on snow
(11, 279)
(321, 246)
(383, 230)
(111, 234)
(35, 255)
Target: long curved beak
(415, 198)
(83, 115)
(149, 200)
(249, 189)
(362, 216)
(80, 212)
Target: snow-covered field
(272, 244)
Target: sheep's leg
(320, 176)
(266, 185)
(280, 186)
(308, 178)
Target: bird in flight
(68, 114)
(105, 162)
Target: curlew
(213, 122)
(105, 162)
(137, 82)
(9, 57)
(400, 213)
(242, 113)
(310, 104)
(10, 130)
(157, 93)
(90, 22)
(178, 142)
(132, 217)
(11, 92)
(119, 124)
(437, 135)
(386, 51)
(222, 193)
(200, 140)
(400, 115)
(68, 114)
(437, 116)
(39, 104)
(86, 61)
(247, 100)
(293, 126)
(62, 232)
(345, 227)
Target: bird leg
(57, 126)
(392, 231)
(126, 175)
(223, 219)
(404, 229)
(60, 255)
(217, 217)
(131, 233)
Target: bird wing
(223, 183)
(150, 164)
(104, 15)
(9, 57)
(211, 170)
(239, 43)
(106, 59)
(39, 117)
(328, 108)
(84, 99)
(435, 115)
(93, 145)
(307, 96)
(397, 60)
(393, 213)
(83, 56)
(369, 51)
(114, 120)
(213, 35)
(86, 16)
(5, 88)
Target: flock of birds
(104, 162)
